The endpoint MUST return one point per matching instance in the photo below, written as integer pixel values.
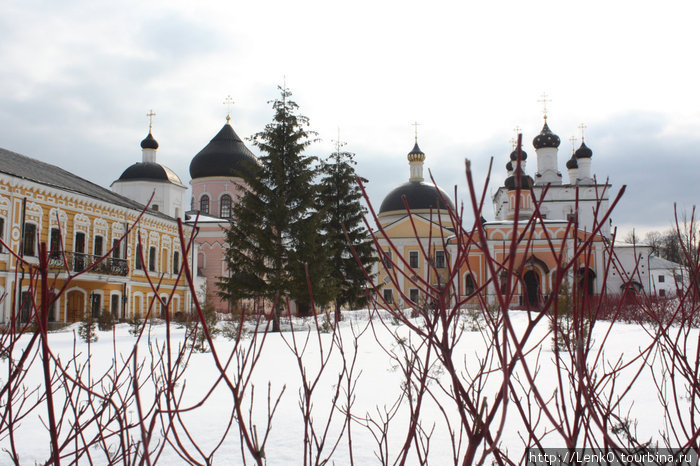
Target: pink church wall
(215, 188)
(211, 247)
(211, 236)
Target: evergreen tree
(341, 195)
(276, 223)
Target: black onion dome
(546, 138)
(572, 163)
(146, 171)
(583, 152)
(419, 195)
(149, 142)
(514, 155)
(526, 181)
(225, 155)
(509, 166)
(416, 155)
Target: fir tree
(276, 223)
(344, 228)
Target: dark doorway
(532, 288)
(586, 282)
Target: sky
(78, 77)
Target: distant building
(81, 221)
(667, 277)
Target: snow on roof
(656, 263)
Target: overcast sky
(78, 77)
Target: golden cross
(415, 125)
(150, 116)
(573, 143)
(544, 101)
(582, 127)
(514, 140)
(228, 101)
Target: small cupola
(546, 138)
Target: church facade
(217, 186)
(421, 244)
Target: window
(114, 306)
(98, 249)
(504, 282)
(26, 306)
(139, 263)
(387, 260)
(440, 259)
(96, 304)
(413, 295)
(115, 248)
(176, 262)
(79, 248)
(225, 206)
(662, 278)
(2, 231)
(413, 259)
(55, 243)
(388, 296)
(662, 293)
(469, 285)
(29, 247)
(152, 259)
(204, 204)
(155, 207)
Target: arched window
(469, 285)
(225, 206)
(204, 204)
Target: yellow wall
(47, 207)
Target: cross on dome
(150, 116)
(228, 101)
(582, 127)
(415, 125)
(544, 101)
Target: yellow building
(413, 246)
(80, 222)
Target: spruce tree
(344, 228)
(275, 231)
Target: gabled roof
(27, 168)
(656, 263)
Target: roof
(21, 166)
(149, 172)
(225, 155)
(546, 138)
(656, 263)
(419, 195)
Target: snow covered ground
(379, 385)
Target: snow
(378, 387)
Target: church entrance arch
(531, 280)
